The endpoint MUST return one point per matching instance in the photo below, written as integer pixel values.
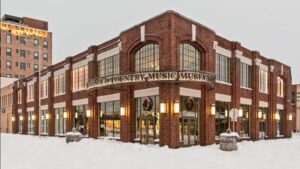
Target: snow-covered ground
(33, 152)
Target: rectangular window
(36, 43)
(59, 84)
(20, 122)
(30, 122)
(263, 81)
(8, 64)
(45, 44)
(263, 122)
(44, 89)
(44, 122)
(8, 38)
(245, 122)
(36, 56)
(8, 52)
(22, 40)
(80, 78)
(30, 93)
(60, 122)
(280, 87)
(22, 53)
(108, 66)
(222, 68)
(8, 75)
(36, 68)
(45, 56)
(80, 119)
(222, 117)
(245, 75)
(22, 66)
(279, 123)
(19, 96)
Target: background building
(296, 107)
(23, 41)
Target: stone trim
(146, 92)
(189, 92)
(80, 102)
(223, 97)
(107, 98)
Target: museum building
(168, 81)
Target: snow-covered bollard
(228, 141)
(73, 136)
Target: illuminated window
(280, 87)
(60, 122)
(190, 58)
(245, 75)
(108, 66)
(44, 89)
(263, 81)
(222, 68)
(80, 78)
(147, 58)
(44, 122)
(59, 84)
(8, 38)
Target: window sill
(221, 82)
(246, 88)
(263, 92)
(280, 96)
(59, 94)
(79, 90)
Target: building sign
(177, 76)
(23, 30)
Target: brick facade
(168, 30)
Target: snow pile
(232, 134)
(33, 152)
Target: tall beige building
(23, 42)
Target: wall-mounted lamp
(33, 117)
(290, 117)
(176, 107)
(213, 109)
(241, 112)
(76, 115)
(88, 113)
(162, 107)
(57, 116)
(65, 115)
(259, 114)
(264, 116)
(47, 116)
(21, 118)
(13, 119)
(122, 111)
(42, 117)
(277, 117)
(226, 113)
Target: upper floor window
(45, 44)
(80, 78)
(45, 56)
(108, 66)
(245, 75)
(222, 68)
(8, 64)
(36, 56)
(8, 51)
(147, 58)
(22, 53)
(280, 87)
(263, 81)
(36, 43)
(22, 40)
(59, 84)
(190, 58)
(8, 38)
(44, 88)
(30, 93)
(22, 66)
(36, 68)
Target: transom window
(147, 58)
(190, 58)
(108, 66)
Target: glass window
(30, 93)
(19, 96)
(59, 84)
(8, 52)
(279, 123)
(45, 56)
(28, 65)
(23, 40)
(36, 68)
(147, 58)
(8, 75)
(60, 122)
(45, 44)
(44, 89)
(81, 121)
(263, 81)
(8, 38)
(222, 117)
(222, 68)
(190, 58)
(22, 66)
(108, 66)
(263, 125)
(280, 87)
(22, 53)
(20, 122)
(80, 78)
(8, 64)
(245, 123)
(36, 56)
(44, 122)
(109, 119)
(245, 75)
(30, 122)
(36, 42)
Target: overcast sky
(269, 26)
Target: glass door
(148, 132)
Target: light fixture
(264, 116)
(101, 113)
(13, 119)
(21, 118)
(76, 115)
(33, 117)
(122, 111)
(277, 117)
(47, 116)
(213, 109)
(42, 117)
(290, 117)
(65, 115)
(176, 107)
(162, 107)
(240, 112)
(88, 113)
(57, 117)
(226, 113)
(259, 114)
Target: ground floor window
(189, 120)
(30, 122)
(279, 120)
(245, 123)
(109, 119)
(80, 119)
(20, 122)
(222, 117)
(263, 115)
(147, 119)
(44, 122)
(60, 124)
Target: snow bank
(33, 152)
(232, 134)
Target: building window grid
(222, 68)
(8, 52)
(245, 122)
(108, 66)
(280, 87)
(45, 44)
(30, 93)
(36, 56)
(8, 64)
(22, 66)
(190, 58)
(59, 84)
(8, 38)
(22, 40)
(36, 68)
(22, 53)
(245, 75)
(263, 81)
(36, 42)
(45, 56)
(80, 78)
(60, 123)
(44, 89)
(30, 123)
(19, 96)
(147, 58)
(44, 122)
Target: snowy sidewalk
(33, 152)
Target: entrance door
(148, 132)
(189, 131)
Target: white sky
(269, 26)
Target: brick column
(69, 109)
(15, 107)
(254, 132)
(36, 105)
(24, 108)
(51, 121)
(271, 130)
(287, 105)
(128, 120)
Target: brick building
(296, 107)
(23, 41)
(168, 80)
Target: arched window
(147, 58)
(280, 87)
(190, 58)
